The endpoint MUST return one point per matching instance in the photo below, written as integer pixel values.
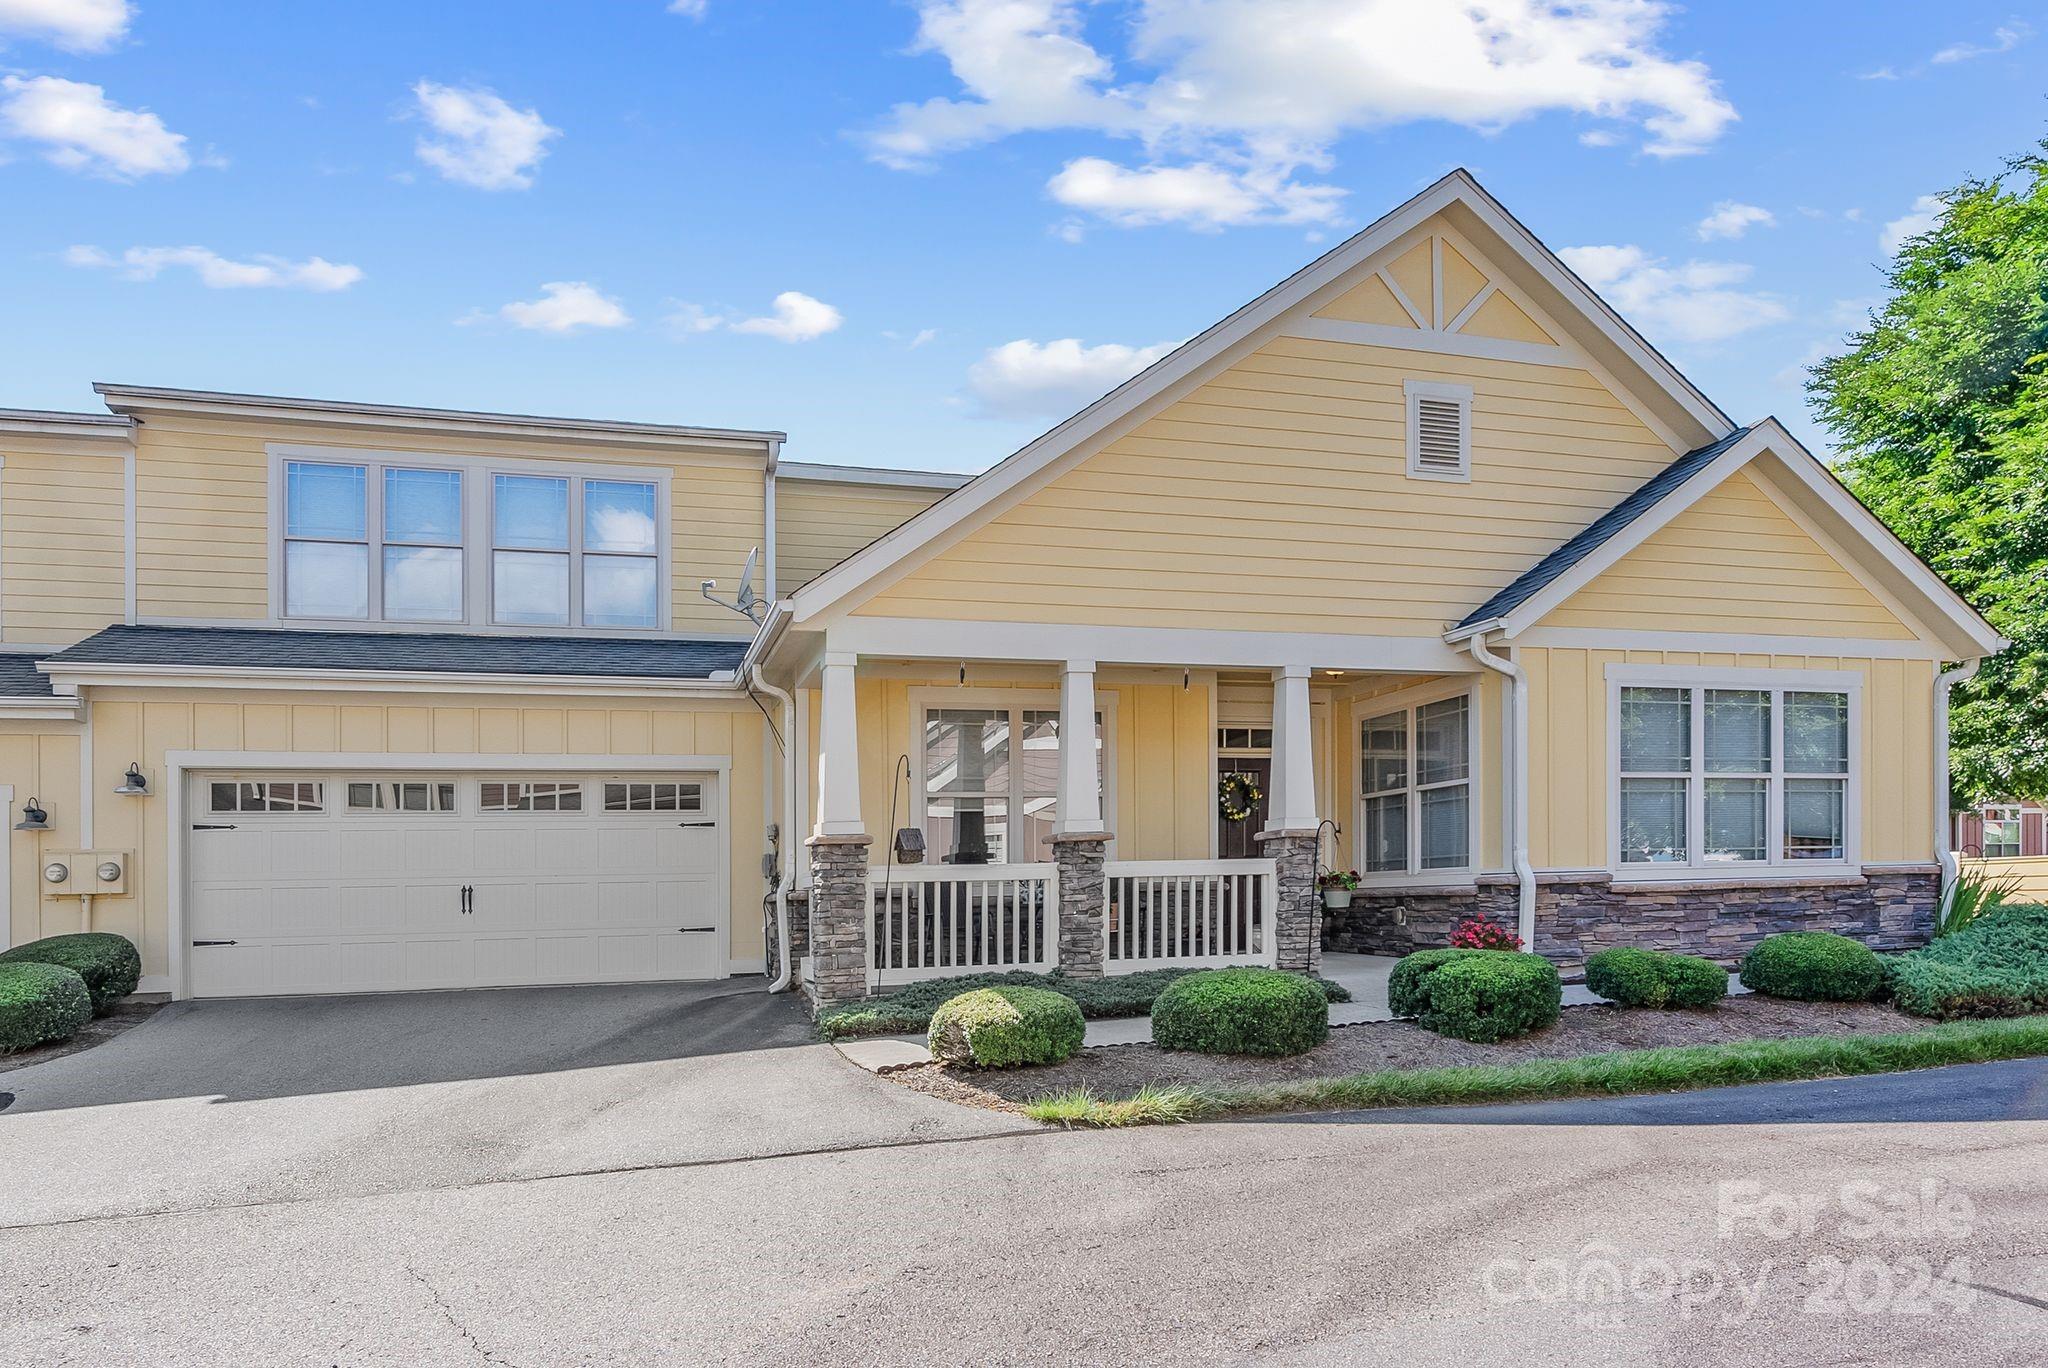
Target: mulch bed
(130, 1013)
(1119, 1071)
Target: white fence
(1167, 913)
(936, 921)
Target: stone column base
(1080, 856)
(1297, 923)
(839, 919)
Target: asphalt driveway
(279, 1099)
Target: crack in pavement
(2019, 1297)
(448, 1314)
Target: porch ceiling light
(134, 783)
(33, 818)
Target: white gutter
(788, 841)
(1518, 772)
(1944, 840)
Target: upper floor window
(1415, 772)
(384, 542)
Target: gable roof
(1596, 328)
(1603, 529)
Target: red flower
(1484, 933)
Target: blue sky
(920, 233)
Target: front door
(1234, 838)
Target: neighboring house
(1423, 563)
(2002, 831)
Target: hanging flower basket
(1337, 887)
(1237, 796)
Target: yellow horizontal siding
(1275, 497)
(63, 528)
(2028, 873)
(819, 525)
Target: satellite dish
(746, 603)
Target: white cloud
(1238, 102)
(2004, 38)
(1599, 137)
(1202, 195)
(1694, 302)
(796, 318)
(1732, 218)
(217, 272)
(81, 130)
(75, 25)
(1883, 73)
(1925, 213)
(1026, 379)
(480, 140)
(691, 318)
(565, 306)
(689, 9)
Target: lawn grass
(1671, 1069)
(909, 1009)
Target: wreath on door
(1237, 796)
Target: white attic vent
(1439, 430)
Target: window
(1244, 738)
(1439, 430)
(542, 547)
(991, 782)
(1415, 778)
(2001, 832)
(1720, 776)
(269, 795)
(653, 797)
(410, 795)
(543, 795)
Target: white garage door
(360, 882)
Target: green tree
(1940, 407)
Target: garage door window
(275, 795)
(653, 797)
(404, 795)
(544, 795)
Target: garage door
(363, 882)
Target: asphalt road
(1890, 1220)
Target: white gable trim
(1094, 426)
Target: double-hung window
(2001, 832)
(569, 551)
(1712, 777)
(372, 542)
(991, 783)
(1415, 774)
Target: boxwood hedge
(995, 1028)
(109, 964)
(40, 1003)
(1813, 966)
(1655, 978)
(1478, 995)
(1243, 1012)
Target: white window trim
(478, 534)
(1408, 701)
(1847, 682)
(1413, 392)
(2008, 812)
(922, 700)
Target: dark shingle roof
(1603, 530)
(431, 652)
(19, 677)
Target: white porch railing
(936, 921)
(1207, 913)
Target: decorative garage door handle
(215, 942)
(696, 824)
(468, 899)
(213, 826)
(695, 928)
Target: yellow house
(1423, 564)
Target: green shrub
(1492, 995)
(1813, 966)
(909, 1009)
(1655, 978)
(109, 964)
(40, 1003)
(1242, 1011)
(1997, 965)
(1408, 984)
(998, 1028)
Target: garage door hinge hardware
(696, 824)
(214, 942)
(213, 826)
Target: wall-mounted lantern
(134, 784)
(33, 818)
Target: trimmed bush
(1655, 978)
(109, 964)
(1408, 984)
(1813, 966)
(998, 1028)
(1242, 1012)
(40, 1003)
(1996, 965)
(1493, 995)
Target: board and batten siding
(818, 525)
(1569, 761)
(147, 724)
(63, 531)
(1733, 562)
(202, 491)
(1275, 497)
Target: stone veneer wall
(1887, 909)
(838, 918)
(1297, 921)
(1082, 902)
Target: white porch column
(1080, 791)
(838, 750)
(1292, 805)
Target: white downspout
(1518, 777)
(1944, 840)
(787, 843)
